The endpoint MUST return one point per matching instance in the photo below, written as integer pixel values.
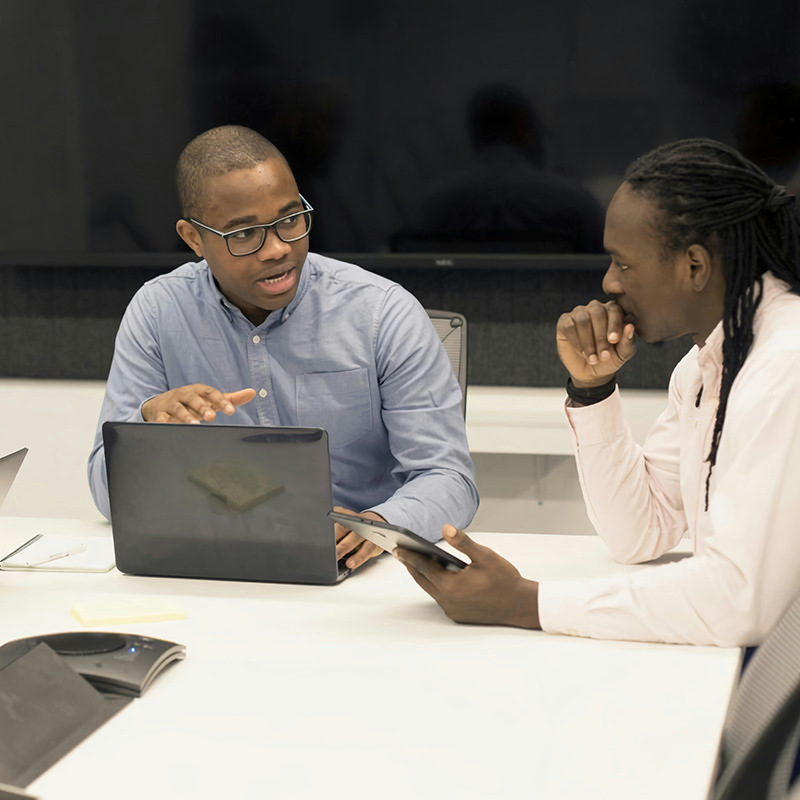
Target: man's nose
(611, 283)
(274, 247)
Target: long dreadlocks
(709, 194)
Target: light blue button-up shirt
(352, 353)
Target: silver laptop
(234, 502)
(9, 467)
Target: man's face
(266, 280)
(647, 284)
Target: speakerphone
(116, 663)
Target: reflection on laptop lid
(235, 502)
(9, 467)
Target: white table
(366, 690)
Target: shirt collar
(709, 356)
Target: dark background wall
(368, 99)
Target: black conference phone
(114, 663)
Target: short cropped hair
(217, 152)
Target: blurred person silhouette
(506, 201)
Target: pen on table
(23, 546)
(73, 551)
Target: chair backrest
(452, 330)
(762, 728)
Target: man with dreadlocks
(702, 243)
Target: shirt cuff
(600, 608)
(566, 607)
(557, 607)
(598, 423)
(137, 415)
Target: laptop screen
(9, 467)
(221, 501)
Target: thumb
(462, 542)
(241, 397)
(626, 348)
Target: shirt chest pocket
(340, 402)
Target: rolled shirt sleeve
(136, 375)
(421, 409)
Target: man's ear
(189, 234)
(699, 266)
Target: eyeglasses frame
(308, 209)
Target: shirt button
(256, 339)
(262, 393)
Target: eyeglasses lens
(288, 229)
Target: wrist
(593, 384)
(588, 394)
(526, 610)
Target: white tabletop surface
(366, 690)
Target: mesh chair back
(452, 330)
(762, 727)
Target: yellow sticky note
(126, 610)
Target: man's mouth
(277, 284)
(276, 278)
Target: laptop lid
(9, 467)
(234, 502)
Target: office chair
(452, 330)
(761, 733)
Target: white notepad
(53, 553)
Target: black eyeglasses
(249, 240)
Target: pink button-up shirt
(642, 500)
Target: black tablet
(388, 537)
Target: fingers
(358, 550)
(362, 554)
(239, 398)
(421, 565)
(614, 324)
(462, 542)
(593, 325)
(348, 542)
(594, 341)
(340, 531)
(626, 349)
(421, 580)
(193, 404)
(205, 401)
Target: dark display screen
(452, 127)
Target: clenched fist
(594, 341)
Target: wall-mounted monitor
(498, 128)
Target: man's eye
(244, 235)
(288, 223)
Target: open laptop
(235, 502)
(9, 467)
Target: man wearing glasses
(267, 333)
